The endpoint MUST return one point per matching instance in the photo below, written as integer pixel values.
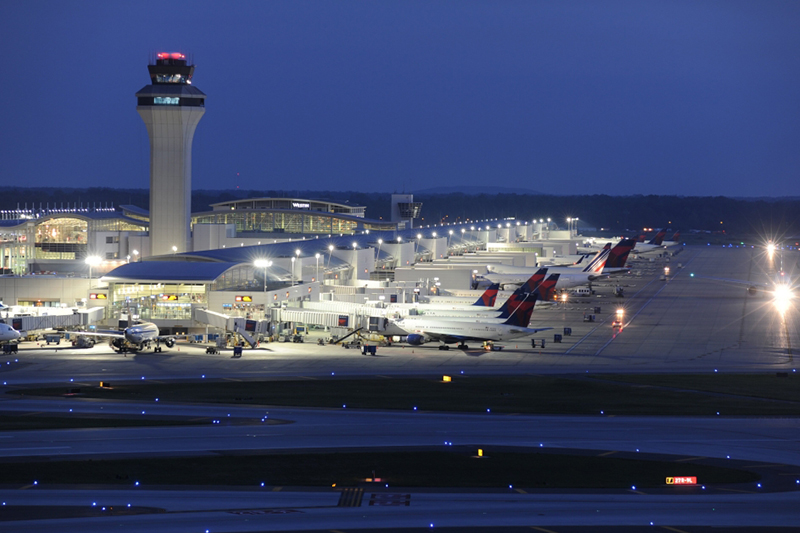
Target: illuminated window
(166, 100)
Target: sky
(692, 97)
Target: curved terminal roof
(166, 272)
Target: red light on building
(174, 55)
(685, 480)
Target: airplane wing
(111, 334)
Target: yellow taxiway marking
(676, 530)
(231, 379)
(542, 529)
(638, 492)
(688, 459)
(277, 489)
(521, 491)
(607, 453)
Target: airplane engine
(415, 339)
(169, 343)
(752, 291)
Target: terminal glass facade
(61, 238)
(157, 301)
(284, 222)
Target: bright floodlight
(262, 263)
(355, 245)
(297, 252)
(93, 260)
(330, 247)
(783, 297)
(316, 255)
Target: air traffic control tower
(171, 108)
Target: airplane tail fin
(547, 288)
(676, 237)
(521, 315)
(618, 255)
(659, 238)
(489, 296)
(599, 262)
(519, 295)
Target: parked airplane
(477, 311)
(545, 289)
(460, 331)
(654, 244)
(135, 338)
(570, 277)
(617, 257)
(673, 241)
(8, 334)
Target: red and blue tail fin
(618, 255)
(547, 288)
(521, 315)
(676, 237)
(519, 295)
(597, 264)
(489, 297)
(659, 238)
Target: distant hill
(474, 190)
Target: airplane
(486, 301)
(570, 277)
(673, 241)
(617, 257)
(654, 244)
(543, 288)
(8, 334)
(460, 331)
(135, 338)
(478, 311)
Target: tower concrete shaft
(171, 108)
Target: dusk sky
(618, 97)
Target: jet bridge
(61, 320)
(249, 330)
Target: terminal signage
(98, 296)
(343, 321)
(301, 205)
(243, 298)
(169, 297)
(685, 480)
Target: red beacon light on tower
(173, 55)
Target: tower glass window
(166, 100)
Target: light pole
(92, 261)
(265, 264)
(449, 236)
(300, 265)
(174, 250)
(317, 257)
(330, 253)
(378, 257)
(293, 261)
(135, 255)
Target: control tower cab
(171, 109)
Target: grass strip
(702, 395)
(456, 468)
(30, 422)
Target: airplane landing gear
(444, 347)
(463, 346)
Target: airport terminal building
(242, 257)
